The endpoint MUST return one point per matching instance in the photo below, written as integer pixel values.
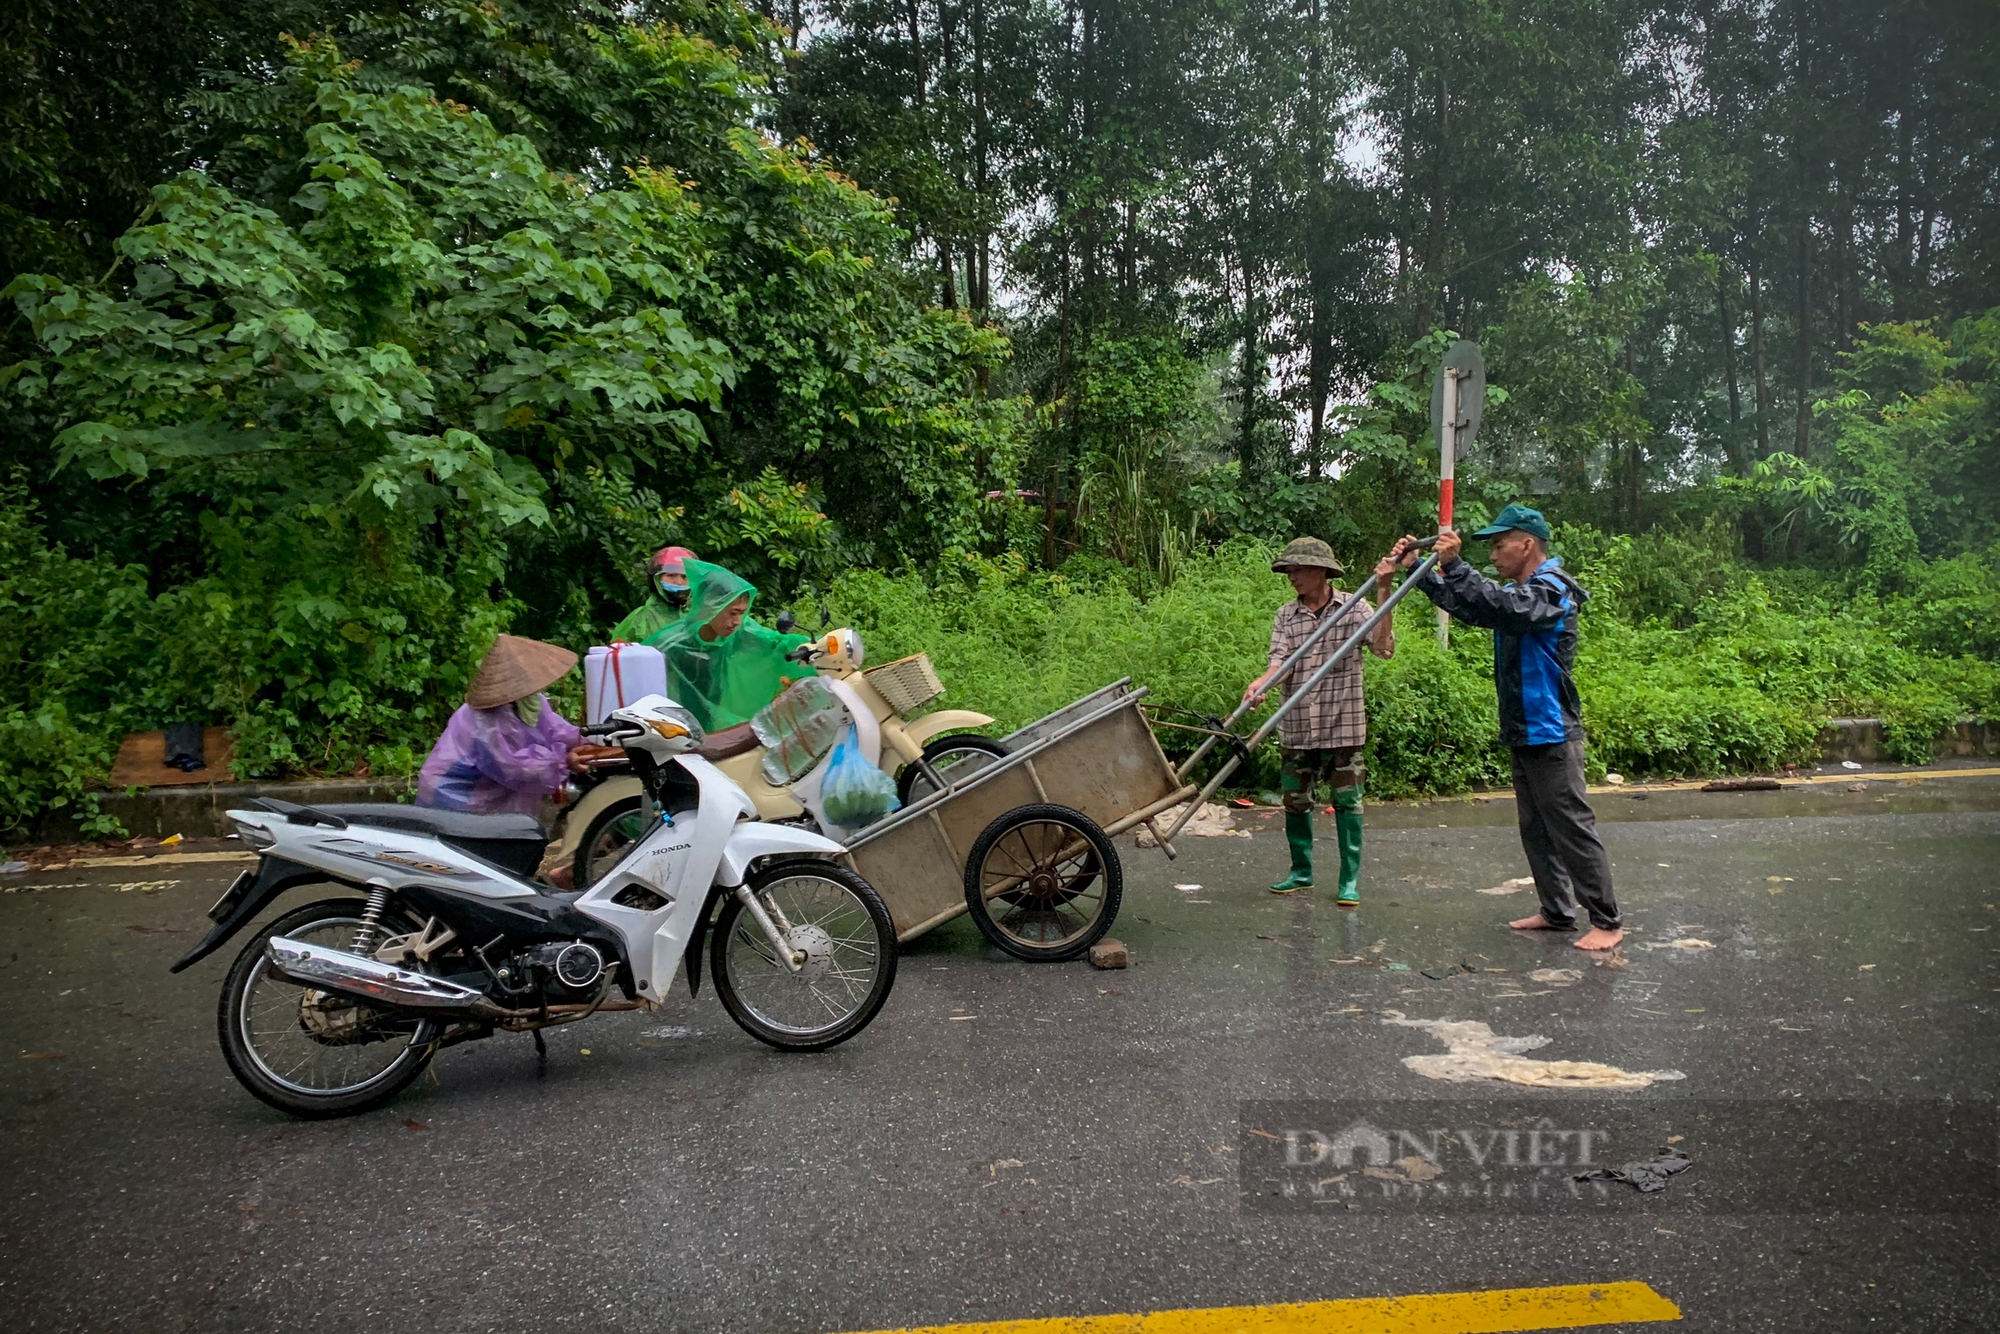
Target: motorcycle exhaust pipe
(371, 979)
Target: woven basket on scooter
(907, 683)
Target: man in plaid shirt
(1325, 732)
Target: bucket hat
(1308, 551)
(516, 668)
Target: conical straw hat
(515, 669)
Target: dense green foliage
(341, 333)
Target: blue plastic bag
(855, 794)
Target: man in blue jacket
(1533, 620)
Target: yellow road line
(1695, 785)
(1498, 1311)
(1913, 776)
(165, 859)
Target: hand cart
(1022, 841)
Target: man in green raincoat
(666, 598)
(722, 665)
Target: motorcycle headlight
(255, 836)
(857, 653)
(675, 721)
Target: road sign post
(1458, 400)
(1447, 448)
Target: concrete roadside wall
(1860, 739)
(197, 811)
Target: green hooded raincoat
(724, 681)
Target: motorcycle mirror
(824, 619)
(785, 622)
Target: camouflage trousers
(1342, 767)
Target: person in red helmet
(666, 598)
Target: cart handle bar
(1187, 765)
(1352, 642)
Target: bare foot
(1536, 923)
(1598, 939)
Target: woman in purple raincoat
(505, 749)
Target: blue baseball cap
(1516, 517)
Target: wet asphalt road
(1016, 1141)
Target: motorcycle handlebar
(609, 727)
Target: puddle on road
(1478, 1053)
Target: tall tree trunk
(1091, 212)
(1728, 330)
(1431, 270)
(1846, 277)
(1902, 268)
(1760, 384)
(1253, 380)
(1802, 430)
(976, 273)
(1636, 468)
(1926, 232)
(1319, 320)
(1128, 254)
(919, 77)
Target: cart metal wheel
(1044, 882)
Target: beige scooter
(611, 816)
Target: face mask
(529, 710)
(671, 588)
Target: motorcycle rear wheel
(268, 1035)
(851, 946)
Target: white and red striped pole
(1447, 447)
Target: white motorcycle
(335, 1007)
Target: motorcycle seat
(508, 839)
(729, 742)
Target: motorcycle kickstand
(541, 1054)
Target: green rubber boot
(1347, 824)
(1298, 833)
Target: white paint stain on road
(1479, 1054)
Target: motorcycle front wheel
(315, 1053)
(844, 928)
